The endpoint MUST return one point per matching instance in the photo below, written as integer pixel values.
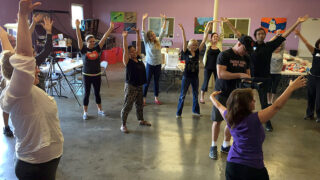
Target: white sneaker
(101, 113)
(85, 116)
(178, 116)
(124, 129)
(196, 114)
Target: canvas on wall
(123, 21)
(271, 25)
(200, 24)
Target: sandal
(157, 102)
(144, 123)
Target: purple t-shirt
(248, 137)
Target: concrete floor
(170, 148)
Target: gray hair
(6, 67)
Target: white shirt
(33, 113)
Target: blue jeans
(185, 83)
(155, 71)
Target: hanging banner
(273, 24)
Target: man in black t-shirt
(261, 58)
(232, 65)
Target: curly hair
(6, 67)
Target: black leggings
(43, 171)
(235, 171)
(96, 82)
(207, 74)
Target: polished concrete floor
(170, 148)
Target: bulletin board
(123, 21)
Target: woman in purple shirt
(245, 158)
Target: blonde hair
(6, 67)
(192, 41)
(156, 41)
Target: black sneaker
(213, 154)
(308, 118)
(225, 149)
(269, 127)
(7, 131)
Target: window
(241, 24)
(155, 26)
(77, 13)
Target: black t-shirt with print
(315, 70)
(91, 59)
(261, 57)
(136, 72)
(234, 64)
(192, 63)
(212, 56)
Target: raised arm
(266, 114)
(47, 25)
(183, 38)
(144, 17)
(205, 35)
(163, 27)
(226, 75)
(24, 43)
(275, 36)
(216, 103)
(35, 19)
(80, 42)
(106, 35)
(138, 41)
(234, 30)
(299, 21)
(5, 43)
(125, 57)
(309, 46)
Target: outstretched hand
(37, 17)
(26, 6)
(224, 19)
(77, 22)
(303, 19)
(135, 29)
(111, 25)
(297, 32)
(180, 26)
(299, 82)
(163, 16)
(145, 15)
(124, 34)
(47, 25)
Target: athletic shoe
(225, 149)
(196, 114)
(213, 154)
(308, 118)
(85, 116)
(318, 120)
(124, 129)
(269, 127)
(101, 113)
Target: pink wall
(9, 9)
(184, 12)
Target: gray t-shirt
(276, 63)
(153, 54)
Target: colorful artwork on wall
(273, 24)
(124, 21)
(200, 24)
